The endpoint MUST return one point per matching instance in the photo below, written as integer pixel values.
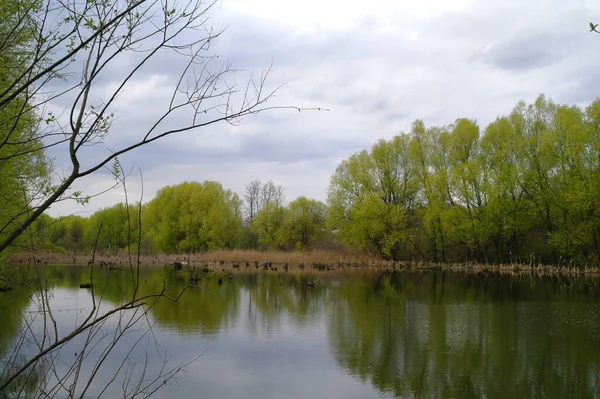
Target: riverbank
(322, 261)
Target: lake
(263, 334)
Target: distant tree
(267, 225)
(113, 233)
(271, 193)
(304, 221)
(252, 200)
(193, 217)
(68, 233)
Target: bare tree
(257, 195)
(36, 366)
(95, 340)
(271, 193)
(73, 52)
(251, 199)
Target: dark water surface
(266, 335)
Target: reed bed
(301, 262)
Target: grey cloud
(525, 53)
(374, 81)
(270, 147)
(579, 84)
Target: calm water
(264, 335)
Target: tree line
(524, 188)
(192, 217)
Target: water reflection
(435, 335)
(404, 335)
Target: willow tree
(429, 152)
(372, 197)
(303, 222)
(470, 189)
(575, 137)
(509, 209)
(192, 217)
(267, 225)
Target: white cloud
(319, 15)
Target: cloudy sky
(376, 66)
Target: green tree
(532, 124)
(303, 222)
(372, 198)
(112, 227)
(574, 182)
(69, 233)
(470, 189)
(24, 167)
(223, 221)
(267, 225)
(193, 217)
(429, 150)
(508, 208)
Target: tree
(223, 222)
(192, 217)
(508, 208)
(252, 200)
(71, 51)
(470, 189)
(429, 151)
(113, 234)
(372, 197)
(267, 225)
(24, 168)
(303, 222)
(271, 193)
(256, 196)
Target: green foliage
(110, 226)
(372, 196)
(525, 187)
(67, 233)
(193, 217)
(267, 225)
(24, 167)
(303, 222)
(187, 217)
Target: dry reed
(325, 261)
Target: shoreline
(318, 261)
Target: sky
(372, 67)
